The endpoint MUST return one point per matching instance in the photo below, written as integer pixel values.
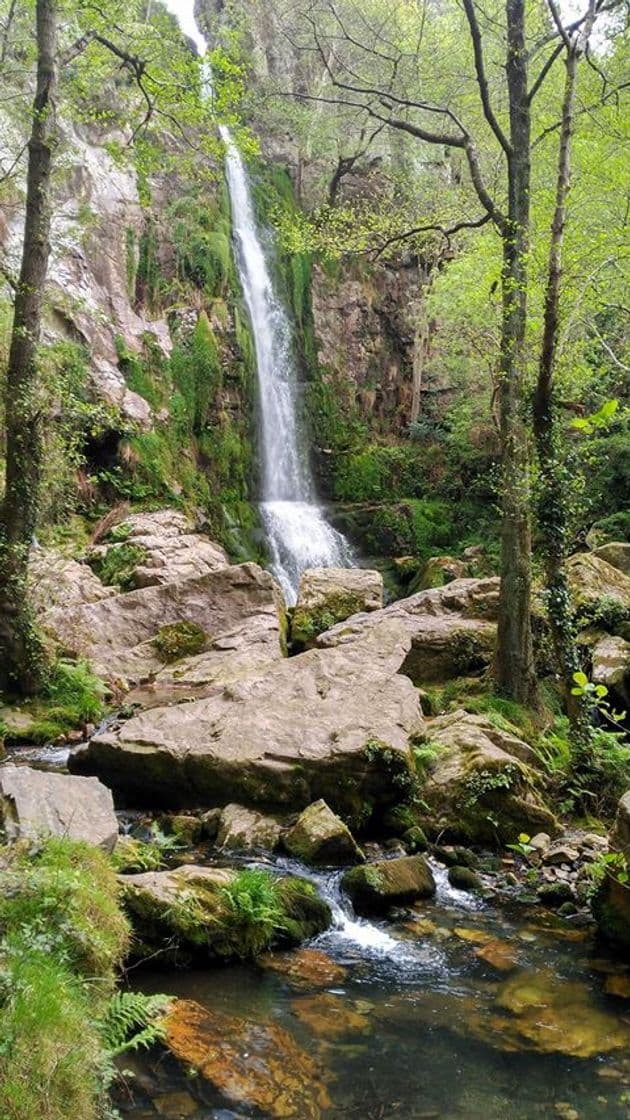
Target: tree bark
(515, 669)
(551, 504)
(22, 661)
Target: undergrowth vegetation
(63, 937)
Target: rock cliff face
(97, 225)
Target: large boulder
(330, 595)
(161, 547)
(617, 554)
(611, 904)
(320, 837)
(120, 634)
(452, 629)
(34, 803)
(592, 579)
(189, 914)
(375, 887)
(481, 787)
(333, 723)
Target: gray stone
(35, 803)
(560, 854)
(320, 837)
(329, 723)
(610, 657)
(242, 829)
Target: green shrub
(117, 566)
(179, 639)
(608, 613)
(75, 693)
(252, 913)
(613, 528)
(62, 936)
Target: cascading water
(298, 534)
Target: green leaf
(581, 679)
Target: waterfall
(297, 532)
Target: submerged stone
(552, 1015)
(499, 954)
(330, 1016)
(251, 1063)
(305, 968)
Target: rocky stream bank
(330, 801)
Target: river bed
(458, 1011)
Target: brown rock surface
(250, 1063)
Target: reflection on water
(455, 1013)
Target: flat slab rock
(282, 740)
(34, 803)
(248, 650)
(452, 628)
(116, 633)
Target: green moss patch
(179, 639)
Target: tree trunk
(515, 659)
(551, 505)
(22, 663)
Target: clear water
(417, 1054)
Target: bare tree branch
(482, 81)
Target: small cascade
(361, 937)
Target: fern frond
(133, 1020)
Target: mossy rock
(305, 913)
(463, 879)
(194, 914)
(320, 837)
(179, 639)
(307, 624)
(375, 887)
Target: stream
(409, 1028)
